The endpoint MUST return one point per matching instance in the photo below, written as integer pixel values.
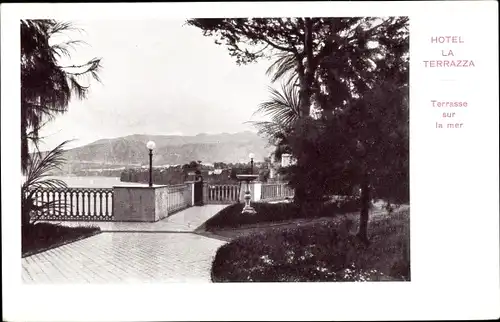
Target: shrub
(42, 236)
(321, 252)
(231, 216)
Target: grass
(231, 216)
(326, 251)
(44, 236)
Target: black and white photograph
(215, 161)
(215, 150)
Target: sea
(92, 182)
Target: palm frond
(47, 87)
(63, 49)
(282, 107)
(38, 177)
(79, 90)
(41, 165)
(282, 67)
(57, 27)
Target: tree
(220, 165)
(354, 71)
(302, 47)
(378, 122)
(368, 138)
(46, 86)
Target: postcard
(250, 161)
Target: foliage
(325, 251)
(46, 86)
(264, 175)
(283, 109)
(38, 170)
(43, 236)
(332, 61)
(231, 216)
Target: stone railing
(120, 203)
(221, 194)
(86, 204)
(179, 197)
(275, 191)
(144, 203)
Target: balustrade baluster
(51, 199)
(106, 197)
(100, 203)
(60, 202)
(71, 211)
(54, 203)
(89, 204)
(95, 203)
(112, 202)
(63, 205)
(82, 203)
(78, 203)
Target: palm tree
(46, 86)
(283, 110)
(38, 170)
(284, 68)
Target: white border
(454, 189)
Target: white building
(287, 160)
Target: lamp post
(150, 145)
(251, 156)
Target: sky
(158, 77)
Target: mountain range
(170, 149)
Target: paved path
(186, 220)
(165, 251)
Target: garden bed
(326, 251)
(44, 236)
(231, 216)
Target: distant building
(287, 160)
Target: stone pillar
(191, 188)
(140, 203)
(257, 191)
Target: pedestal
(248, 209)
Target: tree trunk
(24, 141)
(306, 79)
(365, 207)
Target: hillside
(131, 150)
